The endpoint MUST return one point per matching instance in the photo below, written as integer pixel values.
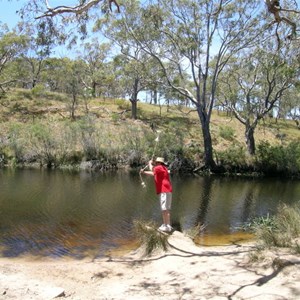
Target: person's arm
(150, 172)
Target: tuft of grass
(150, 237)
(296, 248)
(193, 232)
(281, 230)
(257, 255)
(227, 133)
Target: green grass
(282, 230)
(181, 129)
(149, 237)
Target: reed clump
(149, 237)
(281, 230)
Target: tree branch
(78, 9)
(275, 9)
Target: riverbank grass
(282, 230)
(149, 237)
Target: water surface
(55, 213)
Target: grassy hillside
(35, 125)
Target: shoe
(169, 228)
(163, 227)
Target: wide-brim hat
(160, 160)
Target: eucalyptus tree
(54, 74)
(35, 54)
(196, 38)
(254, 83)
(74, 84)
(96, 55)
(291, 104)
(140, 71)
(132, 79)
(11, 45)
(182, 35)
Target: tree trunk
(134, 99)
(73, 105)
(155, 97)
(134, 108)
(250, 141)
(94, 86)
(209, 162)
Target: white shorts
(165, 200)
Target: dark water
(54, 213)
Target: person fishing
(163, 185)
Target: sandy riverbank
(185, 271)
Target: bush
(17, 143)
(278, 159)
(227, 133)
(123, 104)
(280, 230)
(38, 91)
(149, 236)
(234, 159)
(44, 144)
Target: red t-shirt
(162, 179)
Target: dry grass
(150, 238)
(21, 106)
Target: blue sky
(8, 10)
(9, 16)
(8, 13)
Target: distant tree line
(206, 54)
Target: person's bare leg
(166, 217)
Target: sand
(184, 271)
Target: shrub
(123, 104)
(278, 159)
(149, 236)
(227, 133)
(280, 230)
(44, 144)
(17, 142)
(234, 159)
(38, 91)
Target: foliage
(276, 159)
(227, 133)
(234, 159)
(122, 104)
(267, 221)
(37, 131)
(39, 90)
(280, 230)
(16, 142)
(149, 237)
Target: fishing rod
(154, 151)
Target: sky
(8, 10)
(9, 16)
(8, 13)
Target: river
(78, 214)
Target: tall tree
(254, 84)
(96, 56)
(32, 60)
(11, 45)
(139, 69)
(184, 36)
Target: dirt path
(184, 272)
